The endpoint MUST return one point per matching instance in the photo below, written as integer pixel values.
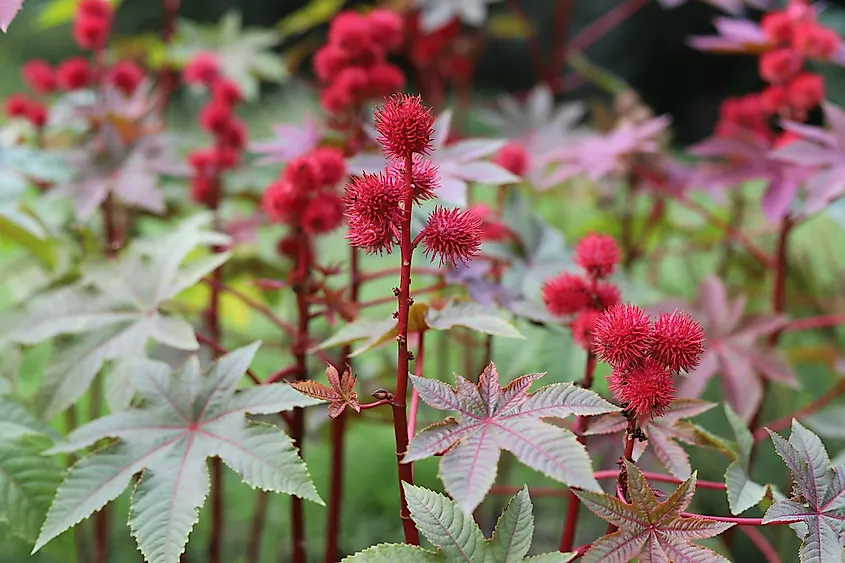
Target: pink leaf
(8, 10)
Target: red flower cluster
(305, 195)
(91, 27)
(352, 66)
(570, 294)
(645, 357)
(92, 24)
(794, 36)
(378, 204)
(218, 118)
(439, 52)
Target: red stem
(605, 475)
(168, 76)
(302, 288)
(339, 436)
(400, 420)
(415, 397)
(785, 421)
(213, 326)
(252, 303)
(825, 321)
(567, 539)
(253, 548)
(562, 17)
(732, 233)
(778, 303)
(759, 540)
(429, 289)
(363, 278)
(605, 23)
(283, 373)
(374, 404)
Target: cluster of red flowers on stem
(585, 296)
(305, 195)
(352, 66)
(793, 36)
(443, 52)
(645, 356)
(218, 118)
(378, 204)
(91, 27)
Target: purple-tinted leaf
(734, 36)
(733, 350)
(493, 418)
(486, 173)
(289, 142)
(649, 529)
(821, 515)
(662, 432)
(8, 11)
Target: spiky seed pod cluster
(582, 296)
(645, 356)
(377, 205)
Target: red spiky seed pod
(385, 28)
(565, 294)
(39, 76)
(606, 295)
(322, 214)
(214, 117)
(452, 236)
(582, 328)
(73, 74)
(677, 341)
(597, 254)
(622, 336)
(373, 212)
(644, 391)
(37, 114)
(424, 177)
(125, 76)
(203, 68)
(330, 165)
(16, 105)
(301, 172)
(404, 125)
(282, 202)
(225, 91)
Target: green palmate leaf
(18, 226)
(28, 479)
(493, 418)
(472, 316)
(186, 418)
(245, 55)
(28, 482)
(650, 530)
(817, 509)
(113, 311)
(458, 538)
(420, 318)
(394, 553)
(742, 491)
(663, 433)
